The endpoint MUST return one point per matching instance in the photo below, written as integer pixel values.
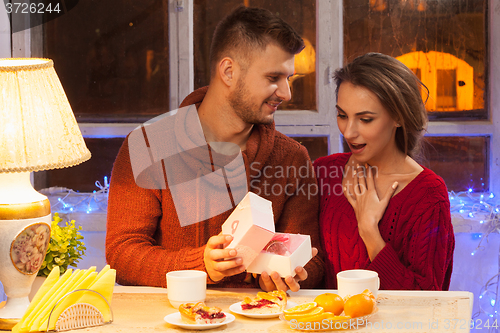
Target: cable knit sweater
(416, 227)
(145, 240)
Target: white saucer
(175, 319)
(236, 308)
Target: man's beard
(247, 110)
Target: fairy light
(485, 209)
(72, 201)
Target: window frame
(329, 41)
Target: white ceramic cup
(189, 286)
(355, 281)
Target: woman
(380, 210)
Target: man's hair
(247, 29)
(398, 89)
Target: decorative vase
(24, 239)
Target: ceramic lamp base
(25, 221)
(23, 244)
(13, 307)
(8, 324)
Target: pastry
(199, 313)
(264, 303)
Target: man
(252, 58)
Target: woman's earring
(398, 125)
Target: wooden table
(142, 309)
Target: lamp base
(23, 244)
(8, 324)
(24, 238)
(13, 307)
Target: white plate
(175, 319)
(236, 308)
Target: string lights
(66, 200)
(485, 209)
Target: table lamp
(38, 131)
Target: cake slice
(265, 303)
(199, 313)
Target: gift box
(252, 226)
(298, 253)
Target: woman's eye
(366, 120)
(341, 116)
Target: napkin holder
(79, 315)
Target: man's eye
(273, 78)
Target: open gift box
(252, 226)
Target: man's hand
(274, 282)
(221, 262)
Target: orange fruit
(315, 317)
(331, 303)
(301, 308)
(359, 305)
(304, 316)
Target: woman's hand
(368, 207)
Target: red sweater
(145, 240)
(416, 227)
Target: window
(117, 67)
(168, 47)
(444, 39)
(443, 43)
(298, 13)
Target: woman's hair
(247, 29)
(398, 89)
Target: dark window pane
(300, 14)
(461, 161)
(317, 146)
(443, 42)
(82, 177)
(112, 58)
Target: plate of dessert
(199, 317)
(330, 312)
(264, 305)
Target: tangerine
(301, 308)
(359, 305)
(304, 316)
(331, 303)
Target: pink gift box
(300, 252)
(252, 226)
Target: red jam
(260, 303)
(205, 315)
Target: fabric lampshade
(38, 130)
